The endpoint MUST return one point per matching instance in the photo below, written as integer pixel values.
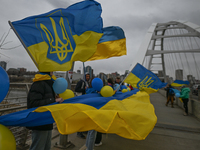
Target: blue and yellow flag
(179, 83)
(111, 44)
(57, 38)
(144, 79)
(130, 115)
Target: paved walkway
(173, 131)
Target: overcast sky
(133, 16)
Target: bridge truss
(171, 46)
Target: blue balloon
(4, 84)
(97, 84)
(116, 87)
(177, 94)
(60, 85)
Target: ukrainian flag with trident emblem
(144, 79)
(57, 38)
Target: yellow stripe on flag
(132, 118)
(110, 49)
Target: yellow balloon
(7, 139)
(107, 91)
(124, 90)
(67, 94)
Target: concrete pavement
(173, 131)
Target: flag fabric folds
(178, 83)
(143, 79)
(55, 39)
(111, 44)
(130, 115)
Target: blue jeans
(41, 140)
(91, 136)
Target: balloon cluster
(60, 87)
(107, 91)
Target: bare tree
(3, 43)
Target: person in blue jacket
(170, 95)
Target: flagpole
(10, 23)
(83, 71)
(125, 77)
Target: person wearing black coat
(41, 93)
(82, 85)
(80, 88)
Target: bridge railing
(193, 104)
(13, 104)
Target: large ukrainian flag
(179, 83)
(130, 115)
(57, 38)
(144, 79)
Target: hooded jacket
(41, 93)
(185, 93)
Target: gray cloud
(135, 17)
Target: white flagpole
(126, 77)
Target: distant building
(79, 71)
(77, 76)
(89, 69)
(103, 77)
(22, 70)
(60, 74)
(3, 64)
(126, 72)
(179, 74)
(160, 73)
(12, 71)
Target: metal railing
(14, 104)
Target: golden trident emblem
(60, 48)
(145, 83)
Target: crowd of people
(41, 93)
(184, 96)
